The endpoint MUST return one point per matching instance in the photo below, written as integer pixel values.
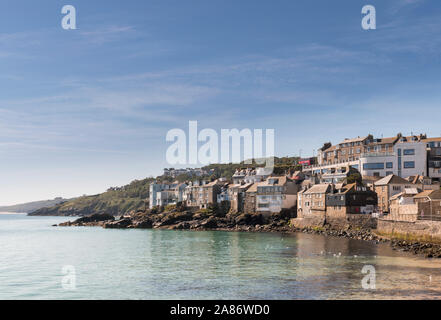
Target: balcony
(377, 154)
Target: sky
(83, 110)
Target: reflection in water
(168, 264)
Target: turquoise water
(166, 264)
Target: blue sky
(85, 109)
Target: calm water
(163, 264)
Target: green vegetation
(122, 200)
(115, 201)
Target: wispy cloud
(398, 5)
(107, 34)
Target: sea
(42, 261)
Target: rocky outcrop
(92, 220)
(429, 250)
(119, 224)
(186, 220)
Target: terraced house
(329, 201)
(352, 198)
(202, 194)
(273, 195)
(311, 203)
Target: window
(409, 164)
(389, 165)
(373, 166)
(388, 173)
(409, 152)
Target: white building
(251, 175)
(409, 158)
(401, 156)
(166, 194)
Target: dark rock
(95, 218)
(210, 223)
(143, 224)
(120, 224)
(176, 217)
(249, 219)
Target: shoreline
(249, 223)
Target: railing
(333, 163)
(377, 154)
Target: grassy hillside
(115, 201)
(118, 201)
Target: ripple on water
(166, 264)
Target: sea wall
(416, 230)
(363, 221)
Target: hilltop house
(251, 175)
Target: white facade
(165, 194)
(407, 159)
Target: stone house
(236, 196)
(250, 199)
(352, 198)
(412, 205)
(388, 187)
(402, 206)
(429, 205)
(207, 194)
(202, 194)
(312, 202)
